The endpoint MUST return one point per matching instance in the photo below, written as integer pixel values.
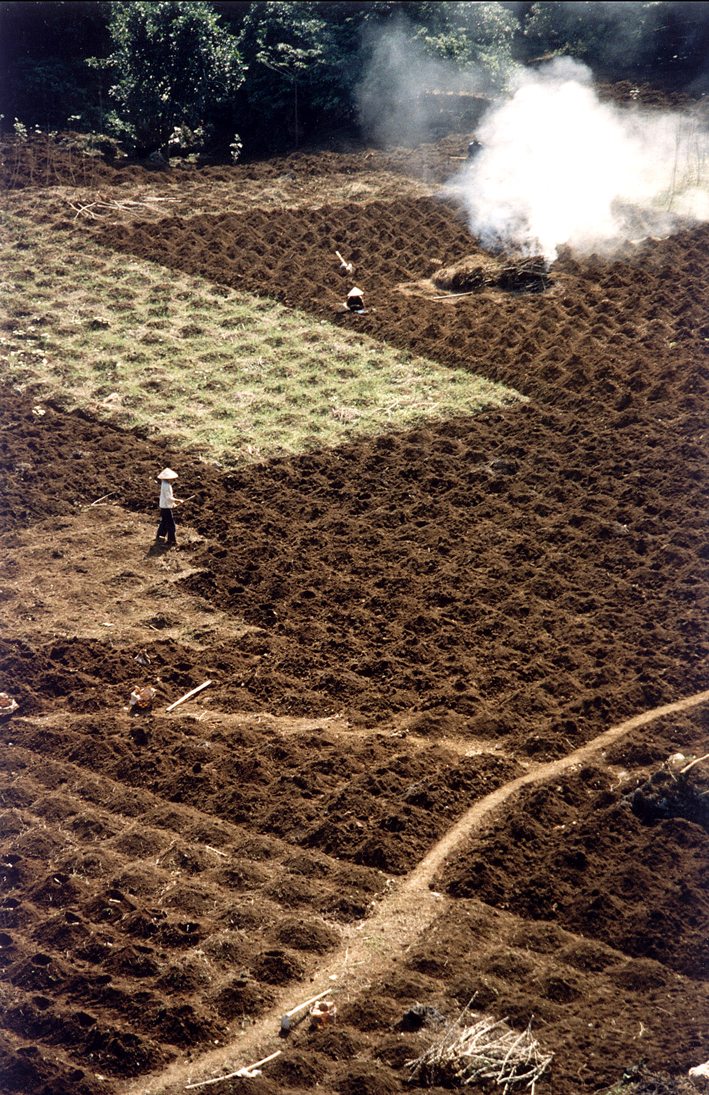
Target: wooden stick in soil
(188, 695)
(692, 763)
(453, 296)
(245, 1071)
(285, 1020)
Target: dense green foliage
(663, 42)
(171, 65)
(301, 68)
(279, 73)
(470, 34)
(44, 79)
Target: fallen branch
(188, 694)
(147, 202)
(246, 1071)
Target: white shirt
(167, 498)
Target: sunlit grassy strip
(235, 378)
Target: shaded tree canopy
(44, 79)
(172, 65)
(278, 73)
(301, 69)
(664, 42)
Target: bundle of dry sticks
(487, 1050)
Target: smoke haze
(559, 166)
(391, 98)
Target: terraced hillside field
(442, 662)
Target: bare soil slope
(392, 630)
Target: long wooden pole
(188, 694)
(692, 763)
(310, 1001)
(245, 1071)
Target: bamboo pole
(692, 763)
(310, 1001)
(247, 1070)
(188, 695)
(285, 1019)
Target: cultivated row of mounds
(401, 627)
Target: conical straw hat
(168, 473)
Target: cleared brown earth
(397, 629)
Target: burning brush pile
(528, 274)
(488, 1050)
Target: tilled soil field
(393, 631)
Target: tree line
(243, 78)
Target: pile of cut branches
(530, 275)
(487, 1050)
(515, 274)
(469, 275)
(100, 207)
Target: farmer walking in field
(167, 501)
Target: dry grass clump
(476, 272)
(486, 1050)
(528, 274)
(234, 377)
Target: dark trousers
(167, 525)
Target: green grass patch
(235, 377)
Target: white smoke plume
(393, 98)
(559, 166)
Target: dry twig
(487, 1050)
(99, 209)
